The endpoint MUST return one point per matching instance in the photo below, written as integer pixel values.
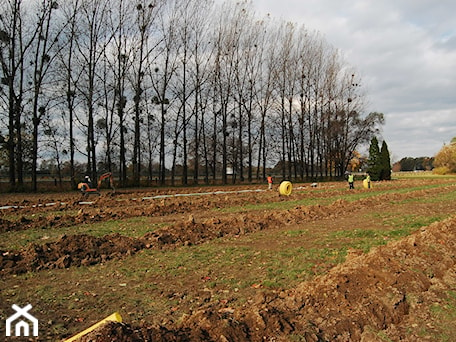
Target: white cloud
(406, 53)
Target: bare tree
(15, 41)
(262, 94)
(93, 37)
(142, 53)
(194, 57)
(286, 89)
(227, 42)
(201, 57)
(183, 91)
(162, 72)
(43, 56)
(248, 59)
(117, 63)
(70, 75)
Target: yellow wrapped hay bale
(285, 188)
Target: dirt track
(389, 289)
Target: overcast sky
(405, 52)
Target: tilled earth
(387, 293)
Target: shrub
(441, 170)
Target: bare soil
(385, 294)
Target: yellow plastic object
(285, 188)
(115, 317)
(366, 184)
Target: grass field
(302, 237)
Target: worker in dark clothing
(351, 181)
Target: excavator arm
(103, 177)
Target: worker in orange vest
(270, 181)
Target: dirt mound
(68, 251)
(121, 332)
(6, 225)
(379, 291)
(56, 221)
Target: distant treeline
(414, 164)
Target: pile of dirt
(383, 290)
(55, 221)
(121, 332)
(68, 251)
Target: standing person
(368, 180)
(270, 181)
(351, 181)
(88, 181)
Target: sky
(405, 53)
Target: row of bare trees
(172, 88)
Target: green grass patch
(133, 227)
(402, 225)
(363, 239)
(296, 233)
(445, 317)
(396, 227)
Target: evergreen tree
(385, 163)
(379, 163)
(374, 166)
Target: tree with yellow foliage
(445, 160)
(355, 162)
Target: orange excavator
(86, 188)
